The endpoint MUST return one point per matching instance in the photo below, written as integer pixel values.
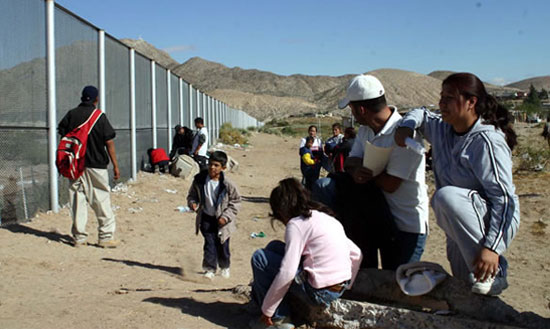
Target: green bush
(230, 135)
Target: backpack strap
(92, 120)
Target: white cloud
(500, 81)
(180, 48)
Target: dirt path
(48, 284)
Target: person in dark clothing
(342, 150)
(93, 186)
(178, 142)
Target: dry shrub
(230, 135)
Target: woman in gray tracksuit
(475, 201)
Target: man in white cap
(402, 182)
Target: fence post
(154, 103)
(133, 145)
(52, 107)
(180, 85)
(102, 87)
(190, 109)
(169, 99)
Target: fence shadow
(226, 314)
(51, 235)
(168, 269)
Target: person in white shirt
(402, 182)
(200, 144)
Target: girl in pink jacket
(316, 257)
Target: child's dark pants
(215, 253)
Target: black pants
(215, 253)
(367, 220)
(163, 166)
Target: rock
(379, 302)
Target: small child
(308, 164)
(216, 201)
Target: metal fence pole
(169, 97)
(52, 107)
(133, 144)
(190, 108)
(180, 85)
(102, 87)
(154, 103)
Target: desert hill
(493, 89)
(538, 83)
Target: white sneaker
(209, 274)
(493, 286)
(225, 273)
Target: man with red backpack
(92, 186)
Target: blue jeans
(265, 266)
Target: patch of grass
(538, 228)
(532, 158)
(230, 135)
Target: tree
(532, 103)
(543, 95)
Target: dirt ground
(46, 283)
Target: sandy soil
(46, 283)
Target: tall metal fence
(47, 55)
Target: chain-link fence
(161, 98)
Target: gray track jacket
(479, 160)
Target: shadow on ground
(226, 314)
(51, 235)
(168, 269)
(254, 199)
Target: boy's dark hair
(199, 120)
(373, 105)
(337, 125)
(350, 131)
(309, 139)
(290, 199)
(219, 156)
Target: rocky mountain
(538, 83)
(493, 89)
(266, 95)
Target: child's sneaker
(225, 273)
(492, 286)
(209, 274)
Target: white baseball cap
(362, 87)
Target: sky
(501, 41)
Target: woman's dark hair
(487, 107)
(312, 126)
(337, 125)
(290, 200)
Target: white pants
(93, 188)
(464, 217)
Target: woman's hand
(401, 133)
(486, 264)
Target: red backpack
(71, 150)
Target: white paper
(376, 158)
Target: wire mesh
(117, 83)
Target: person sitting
(158, 157)
(316, 258)
(475, 202)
